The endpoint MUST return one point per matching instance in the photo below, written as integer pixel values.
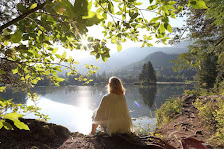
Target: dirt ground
(188, 125)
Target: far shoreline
(134, 83)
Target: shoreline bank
(185, 124)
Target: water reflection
(74, 118)
(148, 94)
(18, 97)
(72, 106)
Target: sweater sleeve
(102, 112)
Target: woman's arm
(101, 111)
(94, 126)
(99, 117)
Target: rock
(198, 132)
(75, 134)
(208, 146)
(61, 131)
(48, 132)
(188, 99)
(192, 143)
(43, 131)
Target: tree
(147, 74)
(208, 72)
(30, 29)
(205, 28)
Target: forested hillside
(162, 65)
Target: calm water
(72, 106)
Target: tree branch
(219, 42)
(21, 17)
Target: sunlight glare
(76, 119)
(84, 42)
(85, 112)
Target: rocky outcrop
(41, 134)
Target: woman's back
(113, 114)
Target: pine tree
(208, 72)
(147, 74)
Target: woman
(113, 114)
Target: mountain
(128, 56)
(158, 59)
(162, 65)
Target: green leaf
(81, 7)
(123, 17)
(180, 8)
(92, 18)
(150, 1)
(172, 2)
(64, 7)
(104, 15)
(152, 7)
(138, 3)
(33, 6)
(60, 79)
(6, 42)
(145, 37)
(143, 44)
(70, 59)
(119, 13)
(134, 15)
(97, 56)
(2, 88)
(149, 44)
(169, 28)
(16, 37)
(21, 8)
(89, 5)
(54, 73)
(162, 28)
(34, 81)
(14, 117)
(2, 72)
(111, 7)
(21, 125)
(198, 4)
(104, 58)
(14, 71)
(119, 47)
(7, 126)
(55, 50)
(1, 123)
(64, 55)
(155, 19)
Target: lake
(72, 106)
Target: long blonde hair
(115, 86)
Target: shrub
(168, 110)
(212, 113)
